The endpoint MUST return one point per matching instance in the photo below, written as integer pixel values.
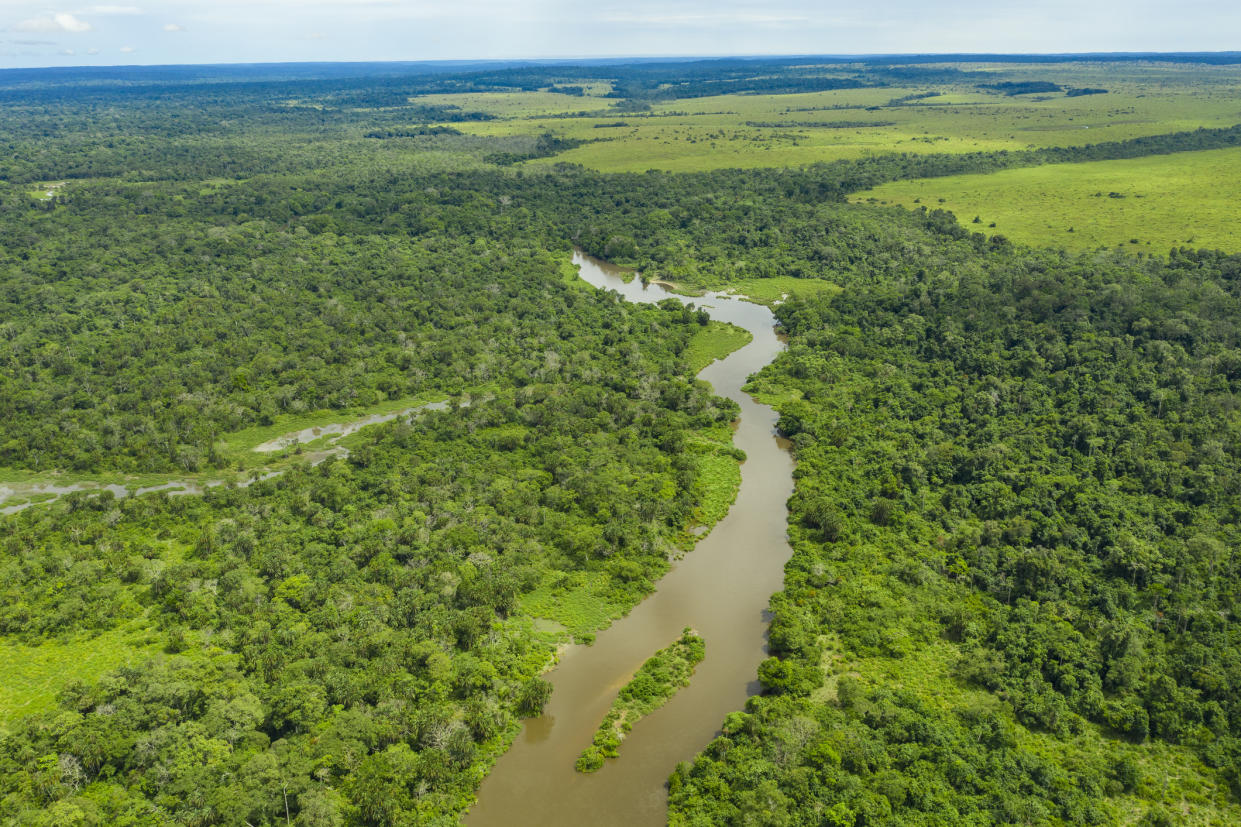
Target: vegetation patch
(1138, 203)
(579, 603)
(988, 582)
(718, 478)
(713, 341)
(654, 684)
(1011, 598)
(240, 446)
(34, 675)
(775, 289)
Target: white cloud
(115, 10)
(128, 50)
(59, 22)
(173, 27)
(92, 51)
(68, 52)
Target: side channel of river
(50, 491)
(721, 588)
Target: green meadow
(1155, 203)
(772, 291)
(34, 675)
(748, 130)
(1058, 205)
(714, 341)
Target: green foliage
(1164, 201)
(365, 606)
(1011, 598)
(34, 675)
(652, 686)
(351, 641)
(1029, 464)
(715, 340)
(578, 602)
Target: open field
(240, 446)
(1181, 200)
(772, 291)
(1184, 200)
(794, 129)
(34, 675)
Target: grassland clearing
(34, 675)
(240, 450)
(751, 130)
(771, 291)
(1187, 199)
(577, 602)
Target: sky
(36, 34)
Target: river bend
(721, 588)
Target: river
(721, 588)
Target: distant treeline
(917, 96)
(864, 173)
(1022, 87)
(413, 132)
(546, 146)
(708, 88)
(818, 124)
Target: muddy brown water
(721, 588)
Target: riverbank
(720, 588)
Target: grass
(772, 291)
(718, 464)
(44, 191)
(715, 341)
(34, 675)
(654, 684)
(1099, 204)
(793, 130)
(576, 601)
(767, 392)
(519, 104)
(239, 446)
(570, 275)
(719, 480)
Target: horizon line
(620, 59)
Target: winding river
(721, 588)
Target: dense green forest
(1013, 596)
(1035, 461)
(345, 640)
